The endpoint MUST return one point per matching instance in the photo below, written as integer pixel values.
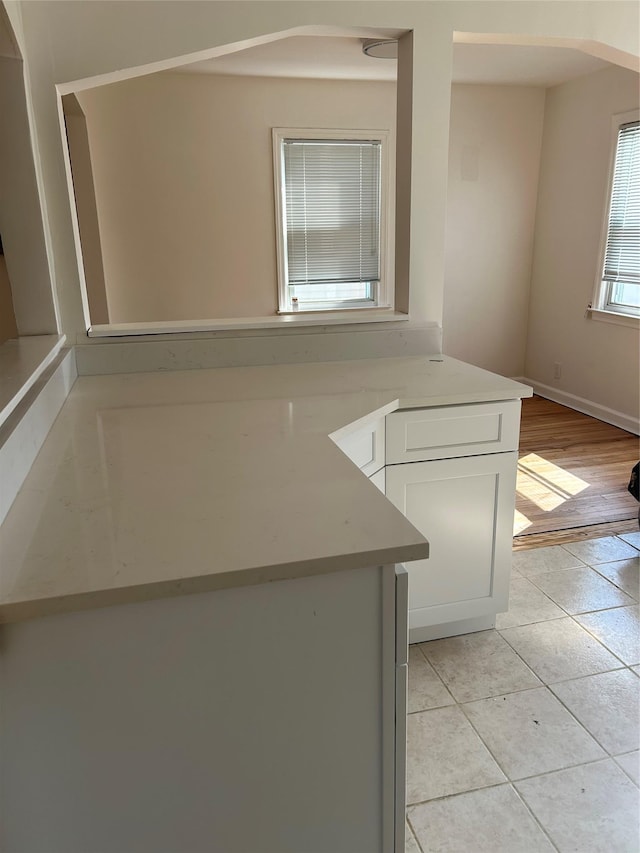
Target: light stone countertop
(157, 484)
(22, 361)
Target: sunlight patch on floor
(545, 484)
(520, 522)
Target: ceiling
(342, 58)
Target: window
(330, 208)
(619, 284)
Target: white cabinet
(364, 445)
(445, 432)
(266, 718)
(462, 501)
(451, 470)
(379, 480)
(465, 509)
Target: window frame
(385, 291)
(602, 307)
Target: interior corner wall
(494, 155)
(599, 360)
(183, 173)
(11, 17)
(21, 224)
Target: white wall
(494, 155)
(68, 41)
(600, 361)
(183, 171)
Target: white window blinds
(332, 211)
(622, 254)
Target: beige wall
(8, 328)
(20, 209)
(494, 155)
(183, 170)
(599, 360)
(67, 41)
(85, 199)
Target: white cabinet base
(259, 718)
(464, 507)
(451, 629)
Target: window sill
(614, 317)
(297, 319)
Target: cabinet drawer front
(418, 435)
(365, 447)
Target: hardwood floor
(573, 472)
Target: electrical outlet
(557, 370)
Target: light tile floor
(525, 738)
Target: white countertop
(22, 361)
(157, 484)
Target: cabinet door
(464, 507)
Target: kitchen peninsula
(203, 635)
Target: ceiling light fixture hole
(380, 48)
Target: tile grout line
(608, 755)
(450, 796)
(600, 760)
(507, 780)
(591, 634)
(548, 687)
(582, 612)
(548, 773)
(535, 675)
(507, 783)
(533, 775)
(438, 676)
(617, 586)
(613, 758)
(545, 832)
(557, 619)
(413, 832)
(624, 665)
(512, 782)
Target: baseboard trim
(587, 407)
(452, 629)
